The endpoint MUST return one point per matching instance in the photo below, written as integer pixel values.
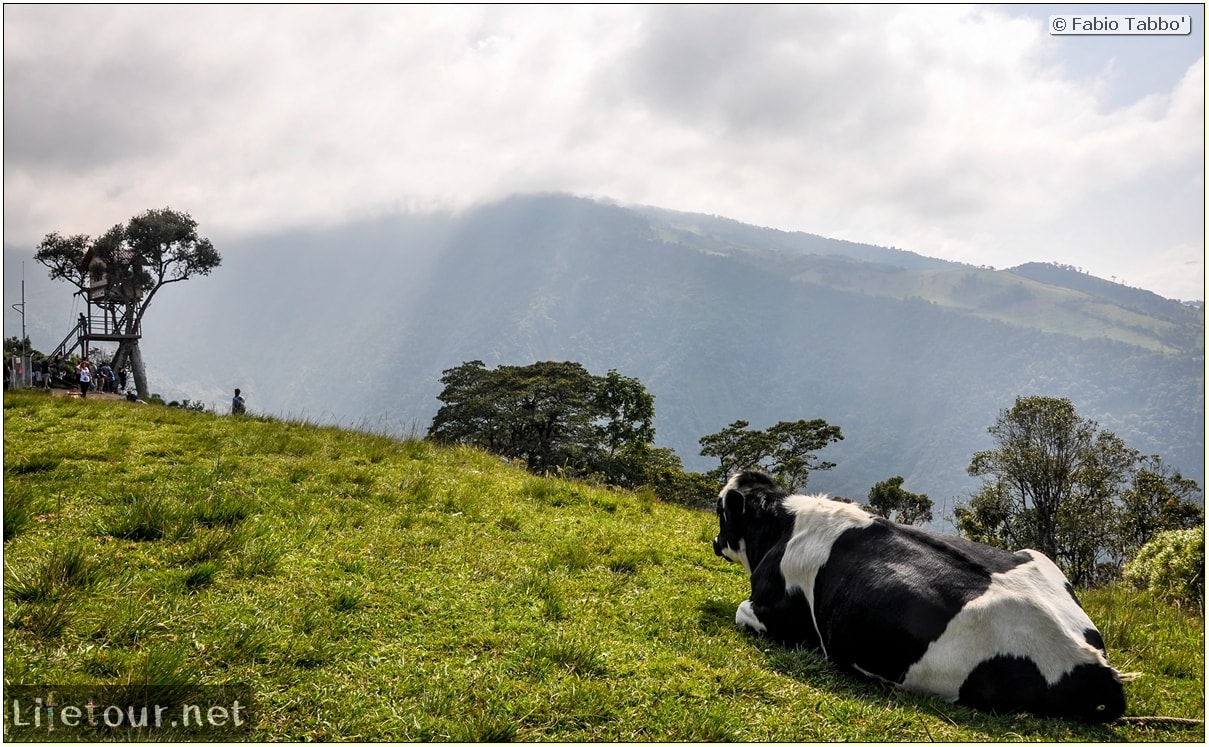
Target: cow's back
(879, 601)
(941, 615)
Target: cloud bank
(960, 132)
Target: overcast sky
(965, 133)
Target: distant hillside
(1047, 297)
(727, 234)
(1142, 301)
(912, 357)
(913, 364)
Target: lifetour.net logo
(81, 713)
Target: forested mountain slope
(912, 357)
(719, 330)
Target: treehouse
(113, 294)
(113, 281)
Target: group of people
(88, 376)
(91, 377)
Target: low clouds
(957, 132)
(799, 73)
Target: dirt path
(92, 393)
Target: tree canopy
(784, 450)
(1058, 483)
(888, 499)
(553, 416)
(161, 245)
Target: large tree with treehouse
(120, 272)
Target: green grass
(372, 589)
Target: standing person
(107, 378)
(84, 372)
(238, 407)
(46, 373)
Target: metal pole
(24, 372)
(27, 375)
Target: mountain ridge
(904, 274)
(912, 357)
(720, 332)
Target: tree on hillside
(888, 499)
(627, 409)
(1159, 499)
(785, 450)
(551, 415)
(1058, 483)
(159, 246)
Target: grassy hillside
(366, 588)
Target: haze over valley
(912, 356)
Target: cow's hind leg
(1004, 684)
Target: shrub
(1172, 566)
(689, 489)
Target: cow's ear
(733, 506)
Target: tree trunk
(139, 370)
(120, 359)
(129, 352)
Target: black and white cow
(929, 613)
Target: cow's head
(749, 513)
